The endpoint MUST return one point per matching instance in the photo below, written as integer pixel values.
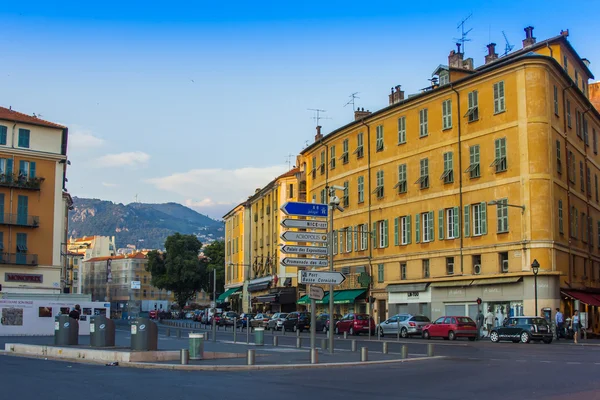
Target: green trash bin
(196, 346)
(259, 336)
(66, 331)
(144, 335)
(102, 331)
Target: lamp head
(535, 266)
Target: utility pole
(330, 244)
(214, 322)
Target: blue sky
(200, 104)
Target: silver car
(404, 324)
(276, 321)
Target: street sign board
(305, 209)
(290, 236)
(212, 304)
(303, 224)
(136, 285)
(309, 250)
(316, 293)
(303, 262)
(321, 277)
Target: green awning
(228, 293)
(346, 296)
(304, 300)
(325, 298)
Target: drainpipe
(460, 181)
(588, 193)
(568, 177)
(362, 121)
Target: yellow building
(33, 204)
(252, 237)
(84, 248)
(451, 194)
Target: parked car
(228, 317)
(260, 320)
(323, 323)
(216, 317)
(297, 321)
(354, 324)
(523, 329)
(451, 327)
(276, 321)
(245, 317)
(152, 314)
(404, 324)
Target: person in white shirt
(489, 321)
(559, 321)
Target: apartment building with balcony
(33, 204)
(452, 193)
(237, 257)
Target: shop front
(412, 299)
(281, 299)
(257, 288)
(587, 302)
(344, 301)
(230, 299)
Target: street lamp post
(334, 203)
(535, 267)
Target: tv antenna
(318, 116)
(289, 161)
(508, 47)
(463, 34)
(353, 96)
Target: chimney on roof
(455, 58)
(586, 62)
(529, 39)
(397, 95)
(492, 55)
(319, 135)
(565, 33)
(360, 113)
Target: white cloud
(131, 158)
(106, 184)
(83, 139)
(210, 188)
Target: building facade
(451, 194)
(123, 281)
(237, 258)
(33, 204)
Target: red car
(355, 324)
(153, 314)
(451, 327)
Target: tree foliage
(178, 269)
(215, 257)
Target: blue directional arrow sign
(305, 209)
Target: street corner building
(34, 205)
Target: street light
(535, 267)
(334, 203)
(505, 203)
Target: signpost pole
(313, 324)
(330, 245)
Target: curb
(178, 367)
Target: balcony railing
(19, 258)
(20, 181)
(20, 220)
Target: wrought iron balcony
(19, 258)
(20, 181)
(19, 220)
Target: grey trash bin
(144, 335)
(66, 331)
(102, 331)
(259, 336)
(196, 346)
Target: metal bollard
(168, 332)
(314, 356)
(353, 345)
(298, 342)
(404, 352)
(323, 344)
(178, 333)
(184, 356)
(207, 336)
(364, 354)
(251, 357)
(297, 333)
(345, 335)
(429, 350)
(275, 341)
(234, 331)
(385, 348)
(283, 331)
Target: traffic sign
(321, 277)
(316, 293)
(305, 209)
(309, 250)
(290, 236)
(303, 224)
(303, 262)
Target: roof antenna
(508, 47)
(463, 34)
(317, 116)
(289, 161)
(353, 96)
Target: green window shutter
(21, 167)
(2, 134)
(467, 221)
(441, 225)
(483, 208)
(456, 222)
(431, 227)
(418, 228)
(1, 207)
(408, 233)
(396, 241)
(355, 237)
(385, 233)
(351, 233)
(9, 166)
(374, 235)
(32, 170)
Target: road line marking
(573, 363)
(546, 362)
(521, 360)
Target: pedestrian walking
(480, 321)
(576, 326)
(75, 312)
(489, 321)
(559, 321)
